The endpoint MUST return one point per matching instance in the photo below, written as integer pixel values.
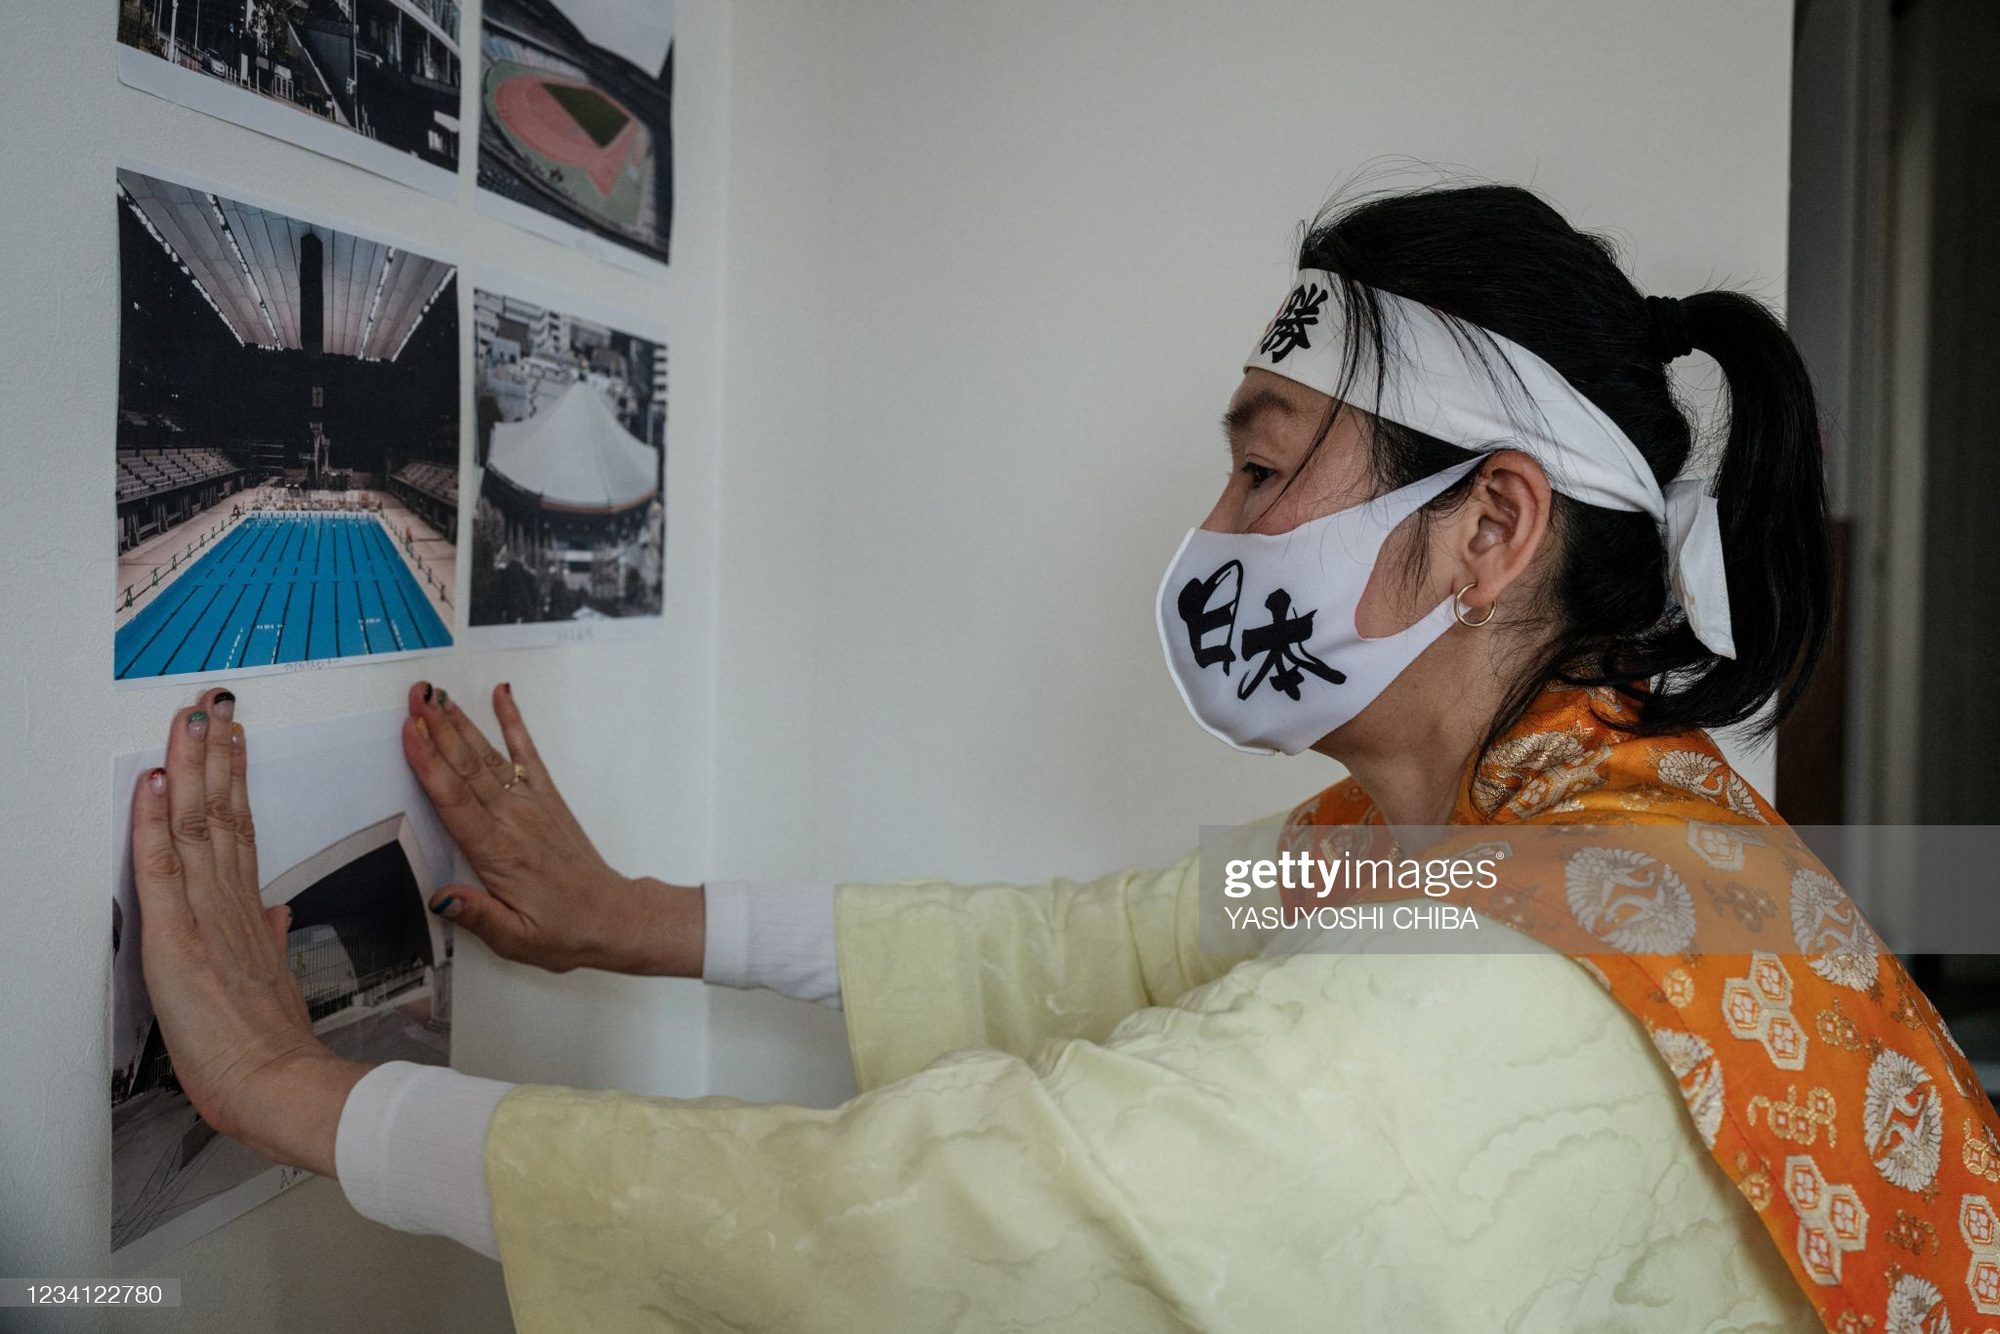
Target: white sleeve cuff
(411, 1147)
(411, 1151)
(774, 936)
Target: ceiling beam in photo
(246, 262)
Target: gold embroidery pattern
(1752, 904)
(1756, 1186)
(1759, 1008)
(1915, 1306)
(1911, 1233)
(1677, 988)
(1906, 1010)
(1836, 1029)
(1980, 1227)
(1694, 1065)
(1902, 1121)
(1630, 899)
(1707, 776)
(1721, 845)
(1799, 1122)
(1536, 773)
(1982, 1156)
(1840, 946)
(1831, 1219)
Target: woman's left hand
(231, 1015)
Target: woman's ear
(1500, 527)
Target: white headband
(1436, 379)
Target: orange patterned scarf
(1817, 1073)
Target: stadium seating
(147, 472)
(432, 479)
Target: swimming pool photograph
(283, 588)
(287, 439)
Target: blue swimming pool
(281, 588)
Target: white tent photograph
(569, 523)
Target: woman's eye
(1258, 474)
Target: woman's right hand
(548, 899)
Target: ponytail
(1771, 495)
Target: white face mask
(1259, 628)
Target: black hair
(1499, 257)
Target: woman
(1454, 553)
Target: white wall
(965, 303)
(626, 725)
(992, 271)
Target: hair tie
(1670, 328)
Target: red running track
(525, 106)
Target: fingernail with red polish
(198, 724)
(157, 780)
(507, 689)
(224, 705)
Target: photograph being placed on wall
(287, 439)
(356, 861)
(575, 138)
(371, 82)
(569, 518)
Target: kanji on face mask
(1203, 614)
(1319, 669)
(1280, 645)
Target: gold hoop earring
(1458, 607)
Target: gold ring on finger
(520, 772)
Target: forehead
(1272, 407)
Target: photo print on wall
(569, 518)
(357, 862)
(287, 439)
(371, 82)
(575, 124)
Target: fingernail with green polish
(198, 724)
(444, 905)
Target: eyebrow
(1241, 417)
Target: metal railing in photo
(422, 567)
(133, 592)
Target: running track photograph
(281, 589)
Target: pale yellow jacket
(1073, 1120)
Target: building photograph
(385, 71)
(287, 438)
(575, 124)
(569, 524)
(374, 969)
